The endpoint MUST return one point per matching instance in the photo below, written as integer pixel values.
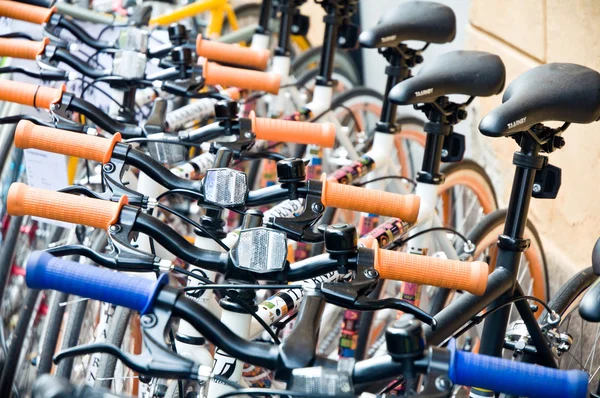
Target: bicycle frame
(218, 10)
(502, 286)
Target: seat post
(512, 243)
(396, 71)
(527, 162)
(437, 129)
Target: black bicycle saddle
(472, 73)
(552, 92)
(415, 20)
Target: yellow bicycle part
(218, 9)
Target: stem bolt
(148, 320)
(108, 168)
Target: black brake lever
(353, 295)
(123, 256)
(157, 359)
(364, 304)
(84, 251)
(300, 228)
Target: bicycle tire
(342, 61)
(115, 335)
(17, 343)
(565, 302)
(71, 337)
(53, 329)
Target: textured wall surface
(526, 34)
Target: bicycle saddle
(472, 73)
(415, 20)
(553, 92)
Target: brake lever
(353, 295)
(300, 228)
(114, 188)
(84, 251)
(156, 359)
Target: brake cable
(401, 242)
(390, 177)
(233, 297)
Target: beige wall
(527, 33)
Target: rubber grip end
(232, 54)
(16, 198)
(479, 276)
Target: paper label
(47, 170)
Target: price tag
(47, 170)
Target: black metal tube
(259, 354)
(264, 17)
(269, 195)
(544, 355)
(311, 267)
(65, 56)
(104, 121)
(179, 246)
(81, 34)
(378, 368)
(520, 196)
(388, 109)
(157, 171)
(329, 44)
(458, 313)
(285, 28)
(432, 159)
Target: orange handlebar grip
(29, 135)
(30, 94)
(23, 200)
(232, 54)
(451, 274)
(322, 134)
(248, 79)
(23, 49)
(404, 207)
(25, 12)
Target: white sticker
(47, 170)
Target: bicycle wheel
(575, 352)
(343, 63)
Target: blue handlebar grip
(514, 378)
(45, 271)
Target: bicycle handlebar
(232, 54)
(23, 49)
(25, 12)
(513, 377)
(23, 200)
(30, 94)
(249, 79)
(471, 276)
(99, 149)
(404, 207)
(322, 134)
(44, 271)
